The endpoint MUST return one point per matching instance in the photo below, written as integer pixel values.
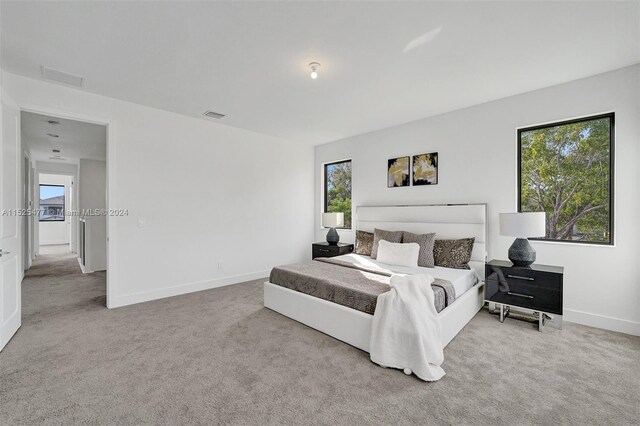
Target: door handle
(4, 252)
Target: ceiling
(383, 63)
(76, 140)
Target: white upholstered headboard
(448, 221)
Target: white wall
(208, 193)
(56, 232)
(92, 196)
(477, 163)
(56, 168)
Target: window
(337, 189)
(51, 203)
(566, 170)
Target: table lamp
(333, 221)
(522, 226)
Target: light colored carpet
(57, 250)
(220, 357)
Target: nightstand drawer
(523, 276)
(319, 251)
(327, 250)
(525, 295)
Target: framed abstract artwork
(398, 172)
(425, 169)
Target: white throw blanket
(406, 328)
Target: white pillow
(398, 253)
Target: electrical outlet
(142, 222)
(219, 266)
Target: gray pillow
(381, 234)
(364, 243)
(426, 242)
(453, 253)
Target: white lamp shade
(523, 225)
(332, 220)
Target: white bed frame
(354, 327)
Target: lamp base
(333, 237)
(521, 253)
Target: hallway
(55, 284)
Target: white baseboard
(601, 321)
(83, 268)
(146, 296)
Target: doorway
(68, 157)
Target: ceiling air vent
(62, 77)
(58, 158)
(212, 114)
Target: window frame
(611, 117)
(326, 190)
(64, 203)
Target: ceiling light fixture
(314, 69)
(56, 151)
(53, 135)
(53, 122)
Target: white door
(10, 244)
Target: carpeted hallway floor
(219, 357)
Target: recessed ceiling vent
(62, 77)
(58, 158)
(56, 151)
(212, 114)
(53, 122)
(53, 135)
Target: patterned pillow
(453, 253)
(381, 234)
(426, 242)
(364, 243)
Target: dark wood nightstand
(535, 289)
(324, 249)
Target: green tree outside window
(566, 171)
(338, 189)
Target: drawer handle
(518, 277)
(526, 296)
(324, 250)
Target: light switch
(142, 222)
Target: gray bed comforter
(347, 284)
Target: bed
(346, 313)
